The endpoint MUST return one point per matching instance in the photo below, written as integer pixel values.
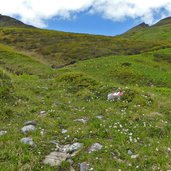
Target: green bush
(78, 81)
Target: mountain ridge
(6, 21)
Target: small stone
(42, 112)
(99, 117)
(30, 123)
(3, 133)
(28, 128)
(64, 131)
(70, 148)
(95, 147)
(42, 132)
(28, 141)
(130, 152)
(75, 147)
(83, 166)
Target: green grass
(80, 91)
(17, 63)
(139, 122)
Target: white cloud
(35, 12)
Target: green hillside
(158, 32)
(60, 48)
(70, 103)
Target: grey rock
(28, 141)
(130, 152)
(55, 158)
(70, 148)
(83, 166)
(95, 147)
(28, 128)
(3, 133)
(64, 148)
(61, 154)
(75, 147)
(30, 123)
(82, 120)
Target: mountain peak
(142, 25)
(6, 21)
(137, 28)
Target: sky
(105, 17)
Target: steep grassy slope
(59, 48)
(138, 122)
(17, 63)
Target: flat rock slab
(63, 153)
(95, 147)
(55, 158)
(28, 128)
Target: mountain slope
(6, 21)
(136, 29)
(58, 49)
(163, 22)
(161, 31)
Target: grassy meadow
(139, 122)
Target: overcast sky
(90, 16)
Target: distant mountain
(137, 28)
(6, 21)
(161, 31)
